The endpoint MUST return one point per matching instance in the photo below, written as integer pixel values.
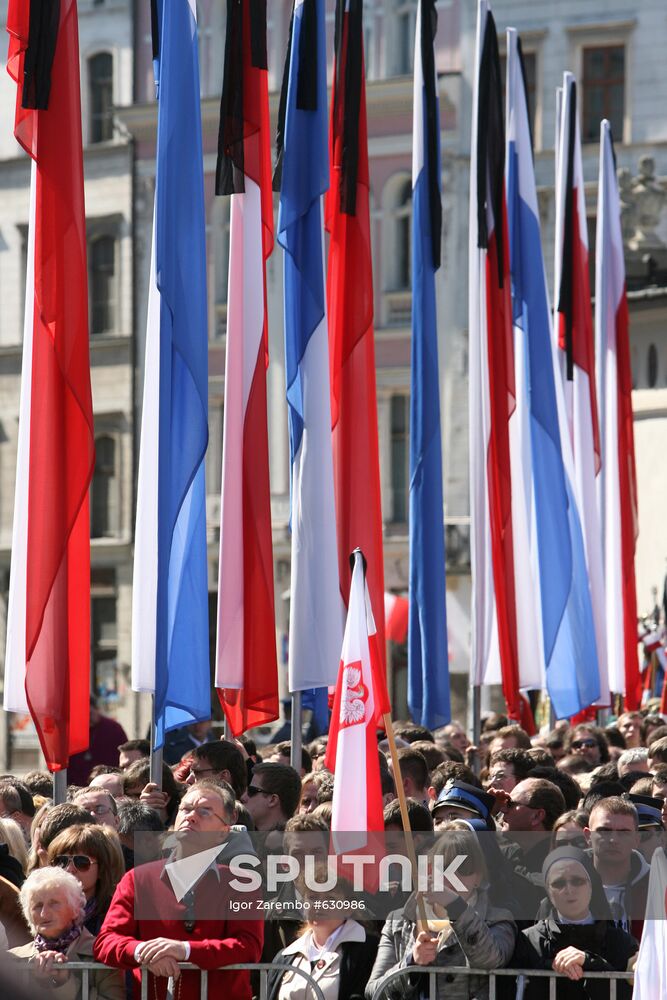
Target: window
(403, 277)
(604, 90)
(100, 76)
(405, 27)
(102, 279)
(105, 506)
(103, 633)
(400, 458)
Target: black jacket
(356, 963)
(606, 946)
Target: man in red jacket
(147, 926)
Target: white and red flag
(651, 965)
(47, 666)
(354, 420)
(617, 482)
(492, 398)
(246, 665)
(573, 324)
(360, 702)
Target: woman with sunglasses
(569, 829)
(577, 935)
(93, 855)
(54, 905)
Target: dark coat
(606, 947)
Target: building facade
(614, 50)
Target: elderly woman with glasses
(577, 934)
(54, 903)
(92, 854)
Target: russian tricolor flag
(617, 483)
(555, 626)
(316, 608)
(428, 665)
(574, 334)
(170, 655)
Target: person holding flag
(555, 629)
(246, 663)
(170, 657)
(617, 482)
(302, 176)
(428, 659)
(47, 665)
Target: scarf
(61, 943)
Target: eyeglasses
(513, 804)
(204, 812)
(576, 882)
(254, 790)
(580, 744)
(99, 810)
(202, 770)
(81, 862)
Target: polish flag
(246, 662)
(617, 482)
(573, 324)
(360, 702)
(47, 666)
(354, 419)
(492, 397)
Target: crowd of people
(557, 834)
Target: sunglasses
(577, 881)
(254, 790)
(580, 744)
(81, 862)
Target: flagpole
(476, 713)
(297, 713)
(59, 787)
(156, 754)
(402, 801)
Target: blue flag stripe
(182, 673)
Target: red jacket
(144, 906)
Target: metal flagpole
(156, 755)
(476, 713)
(297, 713)
(59, 787)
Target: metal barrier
(433, 971)
(264, 968)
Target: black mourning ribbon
(565, 295)
(38, 61)
(490, 145)
(348, 77)
(429, 25)
(230, 172)
(306, 84)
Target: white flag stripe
(610, 284)
(144, 589)
(15, 656)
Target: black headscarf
(599, 905)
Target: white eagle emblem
(354, 696)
